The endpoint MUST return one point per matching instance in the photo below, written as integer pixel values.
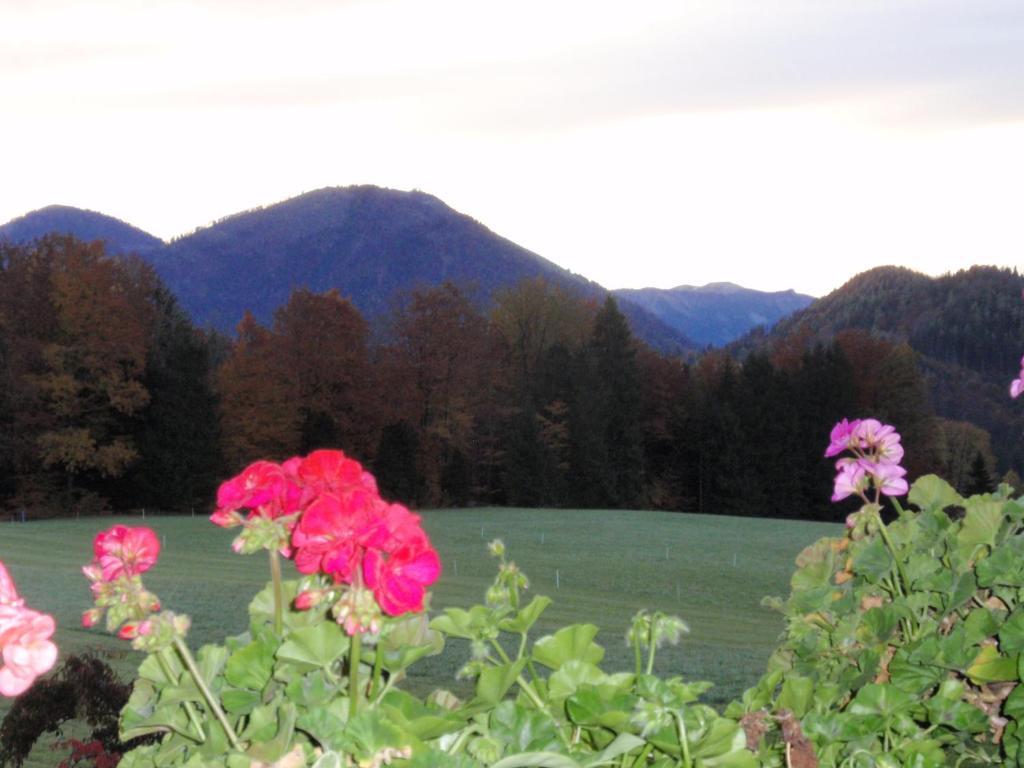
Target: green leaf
(815, 565)
(470, 624)
(329, 760)
(1011, 634)
(796, 695)
(573, 642)
(886, 700)
(526, 617)
(623, 743)
(932, 493)
(980, 525)
(991, 667)
(495, 681)
(880, 623)
(1014, 704)
(270, 748)
(325, 724)
(252, 665)
(872, 560)
(239, 702)
(422, 720)
(570, 676)
(981, 624)
(537, 760)
(522, 729)
(318, 646)
(598, 706)
(407, 640)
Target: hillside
(119, 236)
(967, 328)
(716, 313)
(372, 244)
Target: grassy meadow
(598, 566)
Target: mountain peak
(119, 236)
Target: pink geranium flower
(124, 551)
(888, 477)
(264, 488)
(840, 437)
(399, 579)
(25, 644)
(1017, 385)
(850, 479)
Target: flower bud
(306, 600)
(90, 617)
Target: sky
(778, 144)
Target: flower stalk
(275, 576)
(211, 700)
(354, 652)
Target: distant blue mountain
(85, 225)
(717, 313)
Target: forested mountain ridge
(372, 244)
(716, 313)
(119, 236)
(967, 329)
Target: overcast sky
(773, 143)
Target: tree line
(111, 397)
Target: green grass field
(598, 566)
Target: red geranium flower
(399, 579)
(332, 533)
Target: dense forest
(111, 398)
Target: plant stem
(378, 666)
(683, 741)
(651, 644)
(212, 703)
(637, 654)
(354, 651)
(275, 576)
(528, 689)
(165, 665)
(892, 550)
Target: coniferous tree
(618, 393)
(979, 480)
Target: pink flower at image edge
(1017, 385)
(25, 644)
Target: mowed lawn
(598, 566)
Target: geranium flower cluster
(120, 556)
(326, 512)
(1017, 385)
(875, 461)
(24, 640)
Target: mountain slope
(717, 313)
(370, 243)
(119, 236)
(967, 328)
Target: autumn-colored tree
(259, 415)
(533, 316)
(322, 345)
(438, 375)
(77, 327)
(302, 385)
(541, 326)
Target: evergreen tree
(618, 390)
(177, 434)
(979, 480)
